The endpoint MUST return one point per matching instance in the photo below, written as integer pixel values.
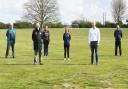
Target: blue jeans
(46, 48)
(94, 48)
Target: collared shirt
(94, 35)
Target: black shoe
(92, 63)
(41, 63)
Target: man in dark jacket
(11, 39)
(46, 40)
(118, 36)
(37, 43)
(66, 38)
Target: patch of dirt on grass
(106, 82)
(107, 88)
(67, 86)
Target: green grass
(20, 73)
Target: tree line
(74, 24)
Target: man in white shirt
(94, 40)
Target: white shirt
(94, 35)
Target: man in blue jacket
(11, 39)
(118, 36)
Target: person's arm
(115, 33)
(89, 38)
(33, 35)
(15, 35)
(49, 36)
(70, 36)
(7, 33)
(121, 34)
(98, 36)
(63, 36)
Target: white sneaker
(64, 59)
(68, 58)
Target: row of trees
(18, 24)
(24, 24)
(75, 24)
(87, 24)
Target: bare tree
(41, 10)
(119, 8)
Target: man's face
(37, 25)
(93, 24)
(46, 28)
(66, 30)
(11, 25)
(118, 27)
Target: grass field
(20, 73)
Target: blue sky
(11, 10)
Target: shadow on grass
(72, 64)
(17, 64)
(106, 55)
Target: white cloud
(69, 9)
(11, 10)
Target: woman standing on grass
(46, 40)
(66, 38)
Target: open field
(20, 73)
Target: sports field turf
(20, 73)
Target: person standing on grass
(11, 39)
(66, 38)
(46, 40)
(118, 36)
(37, 43)
(94, 41)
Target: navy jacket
(66, 38)
(118, 35)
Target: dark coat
(46, 37)
(37, 37)
(118, 35)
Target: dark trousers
(12, 44)
(40, 56)
(46, 44)
(94, 48)
(66, 50)
(118, 45)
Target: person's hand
(89, 45)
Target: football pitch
(78, 73)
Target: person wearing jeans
(66, 38)
(94, 40)
(37, 43)
(46, 40)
